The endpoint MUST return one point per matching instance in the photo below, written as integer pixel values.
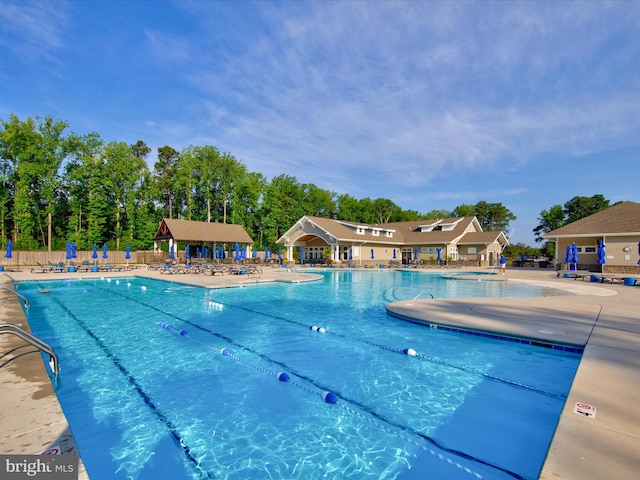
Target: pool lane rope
(410, 352)
(373, 418)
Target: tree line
(60, 186)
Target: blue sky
(429, 104)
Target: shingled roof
(620, 219)
(201, 232)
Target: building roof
(620, 219)
(419, 232)
(190, 231)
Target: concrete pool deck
(605, 319)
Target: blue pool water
(149, 401)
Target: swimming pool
(162, 380)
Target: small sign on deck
(585, 410)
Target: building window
(375, 233)
(472, 250)
(360, 231)
(587, 249)
(389, 234)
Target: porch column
(289, 253)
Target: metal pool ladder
(12, 290)
(35, 341)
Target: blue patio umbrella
(574, 255)
(104, 251)
(254, 253)
(95, 253)
(8, 253)
(301, 254)
(197, 252)
(279, 253)
(351, 254)
(639, 252)
(266, 253)
(187, 252)
(394, 253)
(568, 257)
(171, 251)
(237, 251)
(127, 253)
(372, 256)
(415, 254)
(438, 250)
(602, 258)
(68, 254)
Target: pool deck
(604, 319)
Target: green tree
(551, 219)
(493, 216)
(164, 171)
(83, 183)
(581, 207)
(123, 172)
(37, 149)
(464, 210)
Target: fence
(26, 258)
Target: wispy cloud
(33, 31)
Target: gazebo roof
(201, 232)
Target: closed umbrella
(394, 253)
(187, 253)
(104, 251)
(171, 251)
(351, 254)
(602, 258)
(568, 257)
(73, 250)
(280, 254)
(237, 251)
(574, 255)
(9, 252)
(639, 252)
(254, 253)
(372, 255)
(68, 254)
(438, 250)
(95, 254)
(301, 254)
(127, 253)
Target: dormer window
(447, 227)
(375, 232)
(389, 234)
(360, 230)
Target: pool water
(162, 380)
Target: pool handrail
(13, 290)
(33, 340)
(423, 293)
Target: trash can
(630, 281)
